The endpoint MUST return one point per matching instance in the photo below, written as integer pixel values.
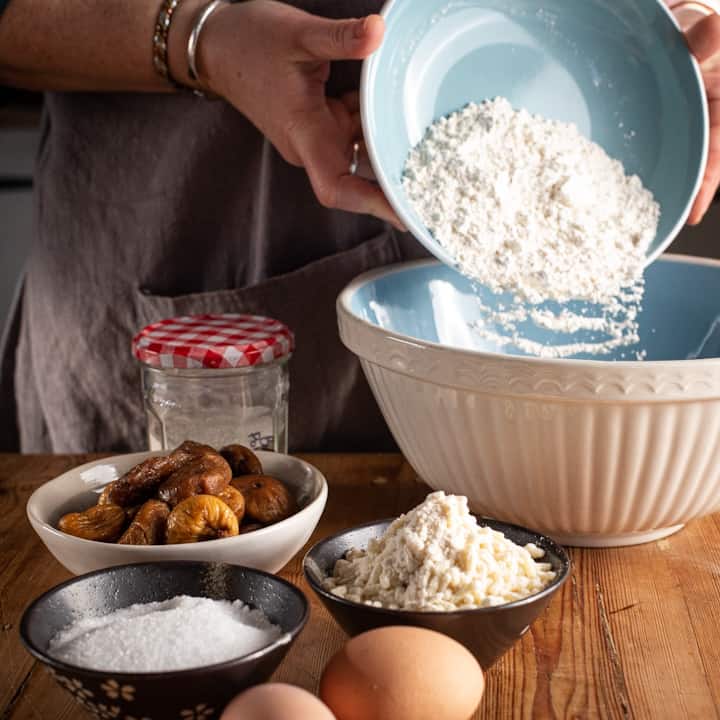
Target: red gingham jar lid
(213, 341)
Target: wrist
(220, 41)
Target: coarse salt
(178, 634)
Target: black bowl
(487, 632)
(195, 694)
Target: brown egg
(276, 701)
(402, 673)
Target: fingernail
(359, 29)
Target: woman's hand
(704, 40)
(271, 61)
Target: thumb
(704, 38)
(354, 39)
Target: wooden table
(634, 634)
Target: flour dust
(534, 211)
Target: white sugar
(185, 632)
(530, 207)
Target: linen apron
(150, 206)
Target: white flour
(185, 632)
(436, 557)
(529, 206)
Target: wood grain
(634, 634)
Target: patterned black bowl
(195, 694)
(487, 632)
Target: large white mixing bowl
(593, 452)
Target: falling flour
(178, 634)
(529, 207)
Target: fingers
(361, 196)
(351, 127)
(704, 41)
(347, 108)
(349, 123)
(705, 196)
(712, 172)
(323, 39)
(324, 153)
(712, 84)
(704, 38)
(356, 125)
(365, 169)
(351, 100)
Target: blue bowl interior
(680, 318)
(619, 70)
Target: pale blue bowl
(428, 302)
(619, 69)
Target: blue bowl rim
(345, 297)
(366, 102)
(549, 590)
(286, 639)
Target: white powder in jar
(436, 557)
(530, 207)
(178, 634)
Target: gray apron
(150, 206)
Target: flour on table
(530, 207)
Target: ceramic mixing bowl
(197, 693)
(621, 71)
(594, 452)
(268, 548)
(487, 632)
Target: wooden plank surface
(634, 634)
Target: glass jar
(216, 379)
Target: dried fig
(201, 517)
(131, 512)
(234, 499)
(191, 448)
(242, 460)
(140, 482)
(111, 492)
(205, 474)
(101, 522)
(125, 496)
(267, 500)
(148, 525)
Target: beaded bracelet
(160, 41)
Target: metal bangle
(194, 39)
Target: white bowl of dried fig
(192, 503)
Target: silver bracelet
(194, 39)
